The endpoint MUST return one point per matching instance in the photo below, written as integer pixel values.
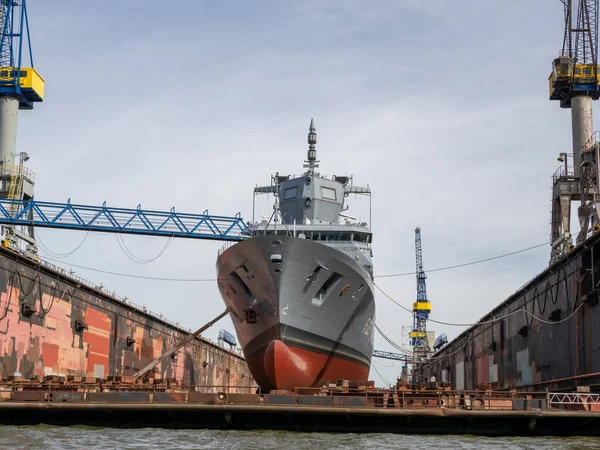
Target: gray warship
(302, 282)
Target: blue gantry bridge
(122, 220)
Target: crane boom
(586, 33)
(567, 39)
(421, 286)
(421, 309)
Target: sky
(440, 107)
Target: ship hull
(306, 310)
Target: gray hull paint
(250, 276)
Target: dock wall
(304, 418)
(510, 349)
(54, 324)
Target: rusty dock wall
(52, 323)
(509, 349)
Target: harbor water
(50, 438)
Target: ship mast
(311, 161)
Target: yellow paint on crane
(31, 81)
(565, 75)
(415, 334)
(422, 306)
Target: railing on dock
(123, 390)
(419, 399)
(573, 398)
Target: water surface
(50, 437)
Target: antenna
(311, 161)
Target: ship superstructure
(303, 282)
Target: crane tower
(574, 83)
(421, 310)
(20, 87)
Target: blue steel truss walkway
(121, 220)
(389, 355)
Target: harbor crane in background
(421, 310)
(574, 83)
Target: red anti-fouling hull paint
(284, 367)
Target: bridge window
(328, 193)
(13, 73)
(361, 237)
(331, 236)
(290, 193)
